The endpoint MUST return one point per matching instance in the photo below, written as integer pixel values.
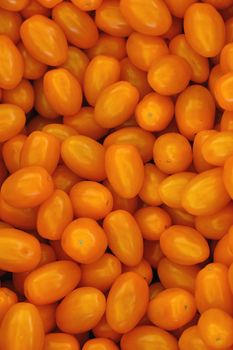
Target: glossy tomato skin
(150, 335)
(64, 179)
(11, 71)
(7, 299)
(20, 251)
(123, 316)
(23, 319)
(226, 121)
(143, 269)
(12, 121)
(34, 8)
(76, 63)
(81, 310)
(108, 45)
(22, 96)
(27, 187)
(103, 330)
(104, 343)
(124, 237)
(60, 131)
(191, 339)
(204, 29)
(218, 147)
(51, 282)
(199, 162)
(59, 341)
(11, 24)
(223, 253)
(44, 40)
(196, 247)
(222, 90)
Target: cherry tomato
(152, 253)
(76, 63)
(228, 25)
(143, 269)
(116, 104)
(60, 131)
(215, 74)
(60, 253)
(124, 237)
(127, 302)
(8, 298)
(215, 327)
(85, 123)
(191, 339)
(103, 330)
(10, 24)
(220, 4)
(60, 341)
(23, 319)
(37, 123)
(169, 74)
(34, 8)
(152, 221)
(85, 157)
(89, 5)
(11, 152)
(64, 179)
(155, 289)
(21, 96)
(227, 178)
(226, 123)
(198, 160)
(218, 147)
(184, 245)
(44, 40)
(91, 199)
(223, 253)
(57, 205)
(204, 29)
(226, 58)
(222, 89)
(42, 105)
(81, 310)
(101, 72)
(84, 240)
(178, 10)
(12, 121)
(172, 308)
(77, 25)
(180, 216)
(199, 64)
(175, 29)
(108, 45)
(151, 18)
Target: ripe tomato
(226, 123)
(64, 179)
(60, 131)
(11, 151)
(193, 250)
(218, 147)
(60, 341)
(81, 310)
(103, 330)
(172, 308)
(199, 162)
(108, 45)
(191, 339)
(12, 121)
(8, 298)
(226, 58)
(127, 302)
(76, 63)
(152, 253)
(42, 105)
(11, 22)
(143, 269)
(204, 29)
(22, 96)
(222, 90)
(22, 319)
(103, 343)
(223, 252)
(89, 5)
(34, 8)
(124, 237)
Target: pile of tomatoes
(116, 174)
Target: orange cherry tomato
(101, 72)
(173, 275)
(8, 298)
(227, 176)
(51, 282)
(199, 64)
(76, 63)
(217, 225)
(149, 336)
(63, 91)
(215, 327)
(230, 277)
(108, 45)
(215, 74)
(57, 205)
(77, 25)
(60, 341)
(85, 157)
(220, 4)
(169, 74)
(40, 149)
(42, 105)
(11, 151)
(109, 19)
(11, 70)
(64, 179)
(228, 25)
(143, 49)
(191, 339)
(152, 253)
(15, 5)
(151, 18)
(204, 29)
(116, 104)
(199, 162)
(21, 218)
(184, 245)
(34, 8)
(27, 187)
(218, 147)
(154, 112)
(143, 269)
(195, 111)
(120, 164)
(22, 319)
(222, 90)
(226, 58)
(12, 121)
(10, 24)
(226, 123)
(60, 253)
(127, 302)
(20, 251)
(172, 153)
(205, 194)
(33, 69)
(155, 289)
(37, 123)
(180, 216)
(89, 5)
(81, 310)
(84, 240)
(152, 221)
(21, 96)
(220, 296)
(223, 253)
(171, 188)
(141, 139)
(91, 199)
(178, 10)
(149, 191)
(172, 308)
(84, 123)
(124, 237)
(175, 29)
(135, 76)
(102, 273)
(103, 343)
(103, 330)
(60, 131)
(44, 40)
